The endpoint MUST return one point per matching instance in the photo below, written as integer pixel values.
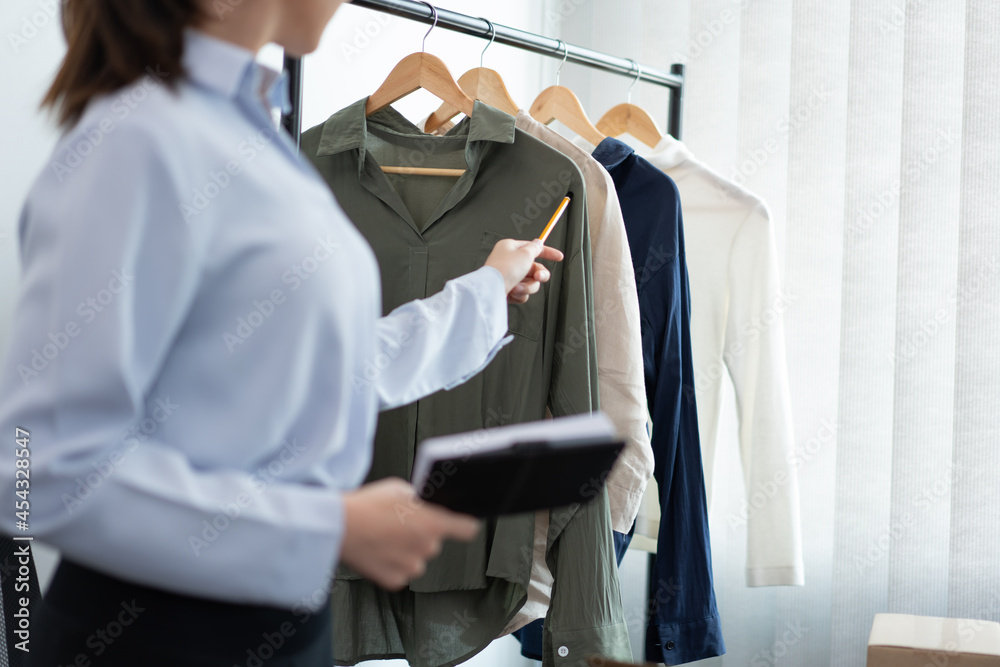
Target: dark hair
(111, 43)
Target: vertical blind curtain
(870, 127)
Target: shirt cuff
(489, 274)
(489, 357)
(680, 643)
(790, 575)
(571, 648)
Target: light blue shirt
(197, 351)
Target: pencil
(555, 218)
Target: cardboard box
(902, 640)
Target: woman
(198, 360)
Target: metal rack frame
(477, 27)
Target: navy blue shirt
(684, 625)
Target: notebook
(518, 468)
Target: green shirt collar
(348, 128)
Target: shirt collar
(476, 136)
(232, 71)
(612, 152)
(669, 153)
(348, 128)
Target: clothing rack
(477, 27)
(527, 41)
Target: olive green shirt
(426, 230)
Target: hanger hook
(565, 56)
(423, 45)
(638, 75)
(493, 36)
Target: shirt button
(563, 651)
(670, 646)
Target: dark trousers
(90, 618)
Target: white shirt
(197, 352)
(736, 328)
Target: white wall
(361, 46)
(28, 57)
(30, 50)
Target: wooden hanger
(482, 84)
(632, 119)
(560, 103)
(416, 71)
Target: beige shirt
(620, 377)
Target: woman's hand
(522, 275)
(390, 533)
